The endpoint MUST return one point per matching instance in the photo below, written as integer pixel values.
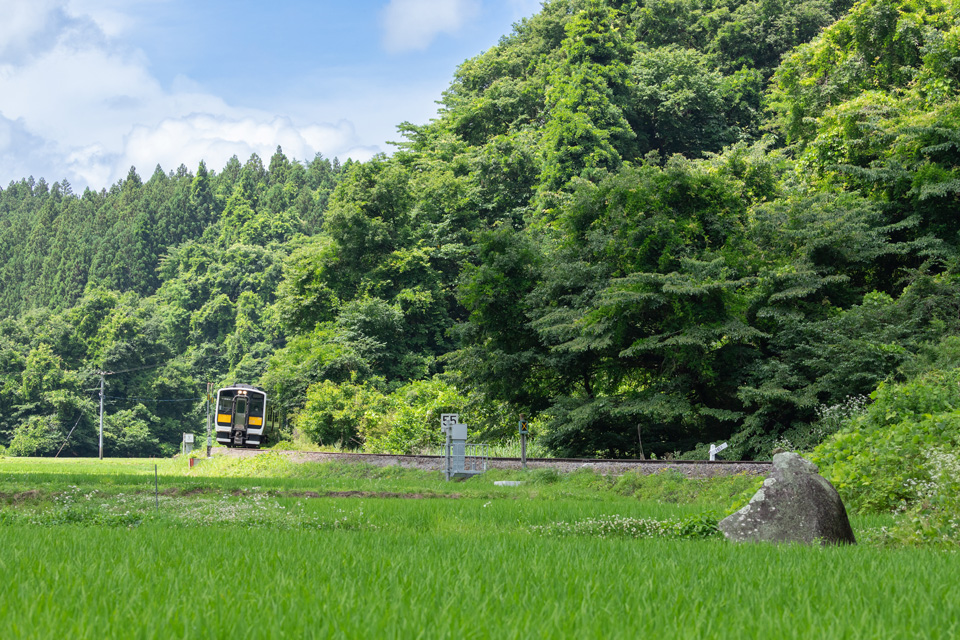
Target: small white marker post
(715, 449)
(187, 446)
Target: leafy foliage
(645, 225)
(339, 413)
(880, 460)
(414, 422)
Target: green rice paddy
(265, 549)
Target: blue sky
(89, 88)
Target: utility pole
(101, 414)
(103, 375)
(209, 442)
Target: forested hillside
(657, 223)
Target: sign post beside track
(715, 449)
(524, 430)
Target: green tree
(680, 102)
(130, 433)
(336, 414)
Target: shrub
(830, 419)
(129, 433)
(38, 436)
(342, 413)
(415, 421)
(935, 518)
(880, 460)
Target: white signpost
(447, 419)
(715, 449)
(187, 446)
(450, 425)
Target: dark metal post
(101, 415)
(209, 441)
(524, 428)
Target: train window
(256, 406)
(241, 405)
(226, 404)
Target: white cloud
(27, 26)
(108, 16)
(215, 139)
(411, 25)
(21, 152)
(77, 103)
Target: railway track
(689, 468)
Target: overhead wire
(143, 368)
(153, 399)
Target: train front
(241, 411)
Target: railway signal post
(456, 434)
(524, 430)
(462, 460)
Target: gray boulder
(795, 504)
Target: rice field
(90, 550)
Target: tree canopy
(649, 225)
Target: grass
(156, 582)
(237, 549)
(510, 448)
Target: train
(245, 417)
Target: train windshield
(256, 406)
(226, 404)
(241, 405)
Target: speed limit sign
(447, 420)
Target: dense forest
(647, 225)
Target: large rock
(795, 504)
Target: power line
(143, 368)
(103, 374)
(154, 399)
